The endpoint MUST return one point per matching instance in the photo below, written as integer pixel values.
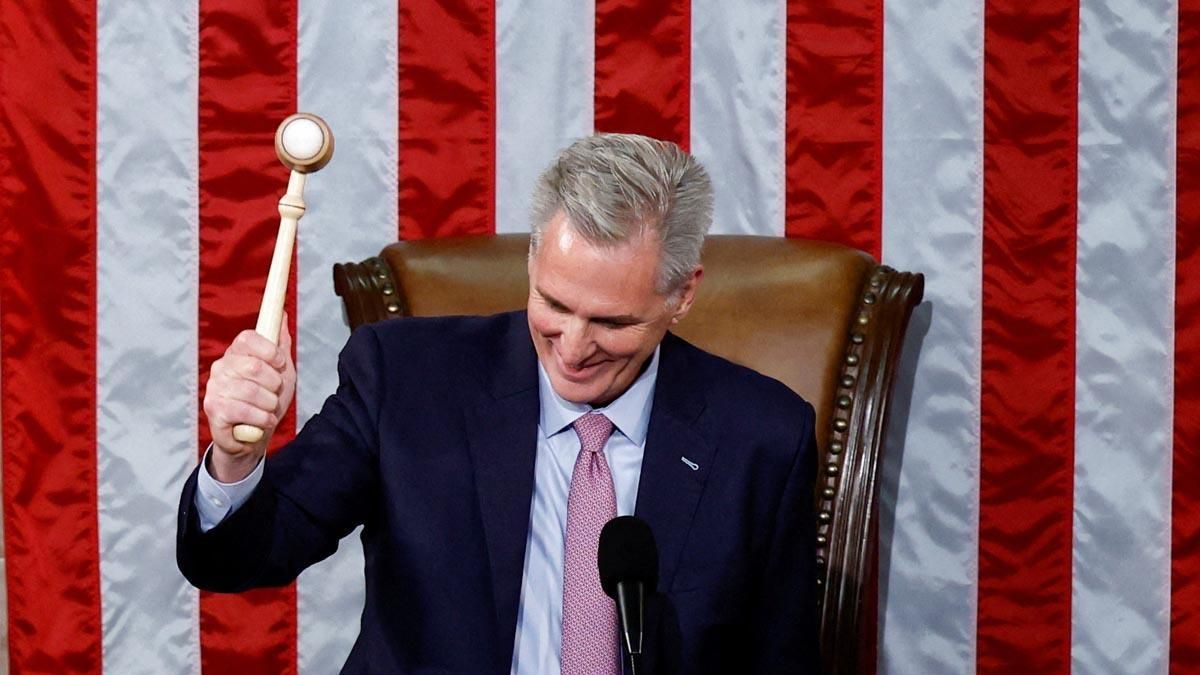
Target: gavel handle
(270, 313)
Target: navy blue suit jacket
(429, 442)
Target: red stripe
(834, 144)
(643, 68)
(447, 162)
(834, 115)
(1185, 509)
(48, 323)
(247, 86)
(1028, 333)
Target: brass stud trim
(844, 401)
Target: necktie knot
(593, 430)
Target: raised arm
(313, 492)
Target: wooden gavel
(304, 143)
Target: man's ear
(687, 294)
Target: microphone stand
(634, 659)
(631, 603)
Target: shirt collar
(629, 413)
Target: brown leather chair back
(823, 319)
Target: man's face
(594, 313)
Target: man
(482, 455)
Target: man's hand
(252, 383)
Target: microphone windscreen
(627, 553)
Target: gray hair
(614, 187)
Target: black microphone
(628, 561)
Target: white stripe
(1120, 602)
(347, 74)
(146, 304)
(545, 70)
(932, 223)
(739, 76)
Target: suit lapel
(502, 432)
(677, 459)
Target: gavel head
(304, 143)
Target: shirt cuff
(216, 500)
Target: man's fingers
(247, 385)
(250, 343)
(229, 413)
(240, 367)
(285, 337)
(250, 392)
(224, 408)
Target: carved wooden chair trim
(368, 291)
(847, 486)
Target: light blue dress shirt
(539, 615)
(539, 618)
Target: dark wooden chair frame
(847, 488)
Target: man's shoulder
(436, 351)
(442, 333)
(729, 384)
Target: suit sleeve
(314, 491)
(784, 635)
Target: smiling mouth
(577, 374)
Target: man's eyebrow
(550, 298)
(618, 319)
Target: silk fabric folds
(1037, 505)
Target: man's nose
(575, 341)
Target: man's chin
(580, 393)
(576, 395)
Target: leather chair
(824, 319)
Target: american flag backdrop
(1037, 161)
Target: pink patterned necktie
(589, 617)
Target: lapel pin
(691, 465)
